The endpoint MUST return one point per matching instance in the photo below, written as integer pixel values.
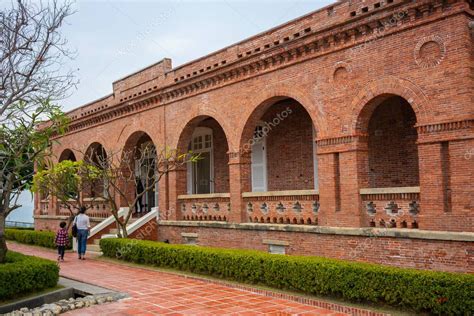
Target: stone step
(97, 241)
(93, 248)
(113, 231)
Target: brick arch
(133, 138)
(95, 148)
(273, 94)
(257, 114)
(186, 128)
(127, 139)
(376, 92)
(219, 154)
(67, 154)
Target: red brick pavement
(160, 293)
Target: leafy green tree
(65, 180)
(119, 172)
(33, 77)
(22, 145)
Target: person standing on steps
(83, 226)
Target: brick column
(446, 184)
(163, 194)
(53, 206)
(239, 174)
(177, 186)
(341, 170)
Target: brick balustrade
(205, 207)
(288, 207)
(391, 207)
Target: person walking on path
(83, 225)
(61, 240)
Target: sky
(112, 39)
(115, 38)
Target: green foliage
(38, 238)
(24, 141)
(65, 179)
(22, 274)
(435, 292)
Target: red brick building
(346, 133)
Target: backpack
(74, 228)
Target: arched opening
(97, 156)
(67, 154)
(392, 147)
(280, 138)
(142, 156)
(205, 138)
(388, 169)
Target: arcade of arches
(308, 139)
(279, 164)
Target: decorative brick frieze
(446, 127)
(314, 44)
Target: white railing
(142, 220)
(106, 222)
(133, 227)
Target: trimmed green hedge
(23, 274)
(33, 237)
(436, 292)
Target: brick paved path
(158, 293)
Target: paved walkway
(158, 293)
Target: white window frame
(191, 183)
(315, 159)
(265, 166)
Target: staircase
(105, 228)
(95, 246)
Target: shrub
(33, 237)
(435, 292)
(23, 274)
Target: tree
(32, 78)
(65, 180)
(22, 145)
(32, 53)
(120, 172)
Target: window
(276, 249)
(259, 160)
(200, 174)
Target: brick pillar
(239, 174)
(431, 187)
(342, 172)
(446, 185)
(163, 194)
(53, 206)
(177, 186)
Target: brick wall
(401, 252)
(289, 148)
(393, 152)
(335, 73)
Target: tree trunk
(3, 243)
(123, 227)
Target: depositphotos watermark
(469, 154)
(266, 127)
(378, 32)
